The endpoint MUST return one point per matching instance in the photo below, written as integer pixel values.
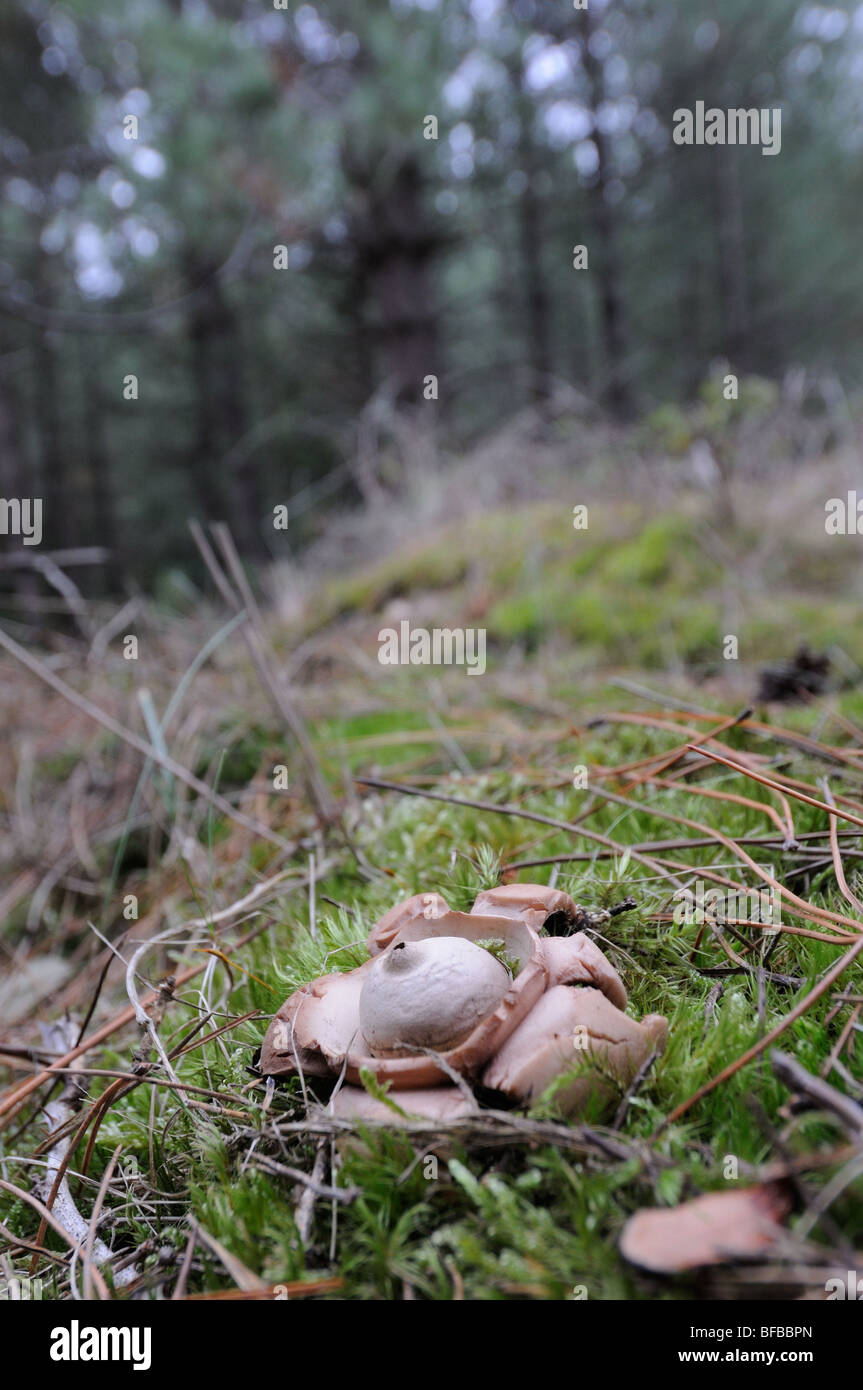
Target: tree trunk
(203, 456)
(617, 392)
(101, 492)
(13, 481)
(531, 236)
(222, 413)
(395, 246)
(233, 410)
(59, 506)
(732, 251)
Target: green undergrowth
(521, 1222)
(651, 591)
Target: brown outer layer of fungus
(561, 985)
(313, 1034)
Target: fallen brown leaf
(715, 1229)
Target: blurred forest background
(306, 128)
(281, 260)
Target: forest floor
(605, 650)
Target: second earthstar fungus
(486, 998)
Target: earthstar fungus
(480, 996)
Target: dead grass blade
(832, 975)
(139, 744)
(245, 1279)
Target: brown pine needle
(667, 760)
(838, 866)
(786, 827)
(777, 787)
(808, 909)
(49, 1220)
(769, 1038)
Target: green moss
(533, 1221)
(240, 757)
(431, 566)
(665, 550)
(543, 1223)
